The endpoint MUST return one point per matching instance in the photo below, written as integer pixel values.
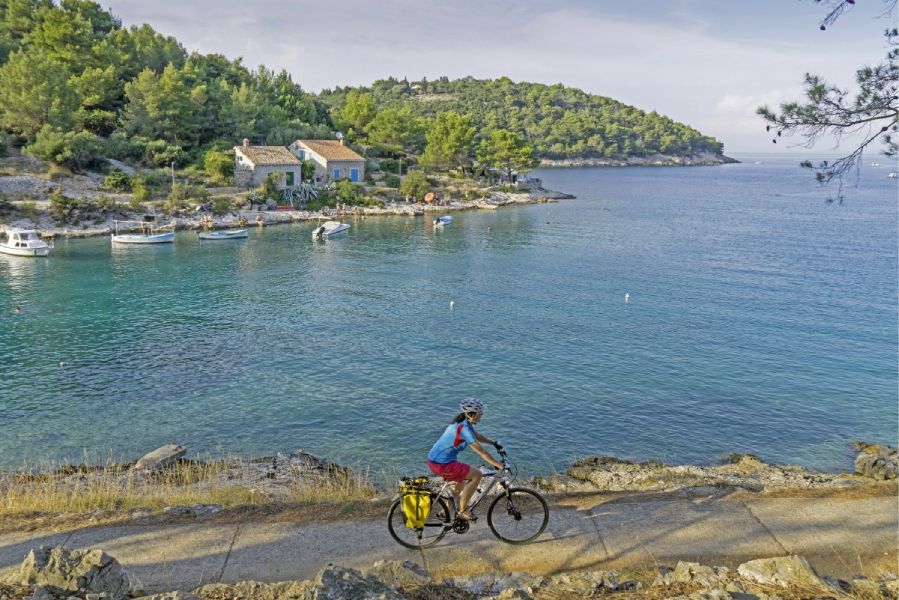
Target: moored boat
(328, 229)
(443, 220)
(24, 242)
(148, 233)
(226, 234)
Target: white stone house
(332, 159)
(252, 164)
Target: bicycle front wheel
(518, 516)
(434, 529)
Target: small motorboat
(225, 234)
(875, 164)
(149, 234)
(24, 242)
(444, 220)
(892, 174)
(328, 229)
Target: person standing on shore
(456, 437)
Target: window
(289, 178)
(336, 173)
(354, 175)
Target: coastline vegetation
(87, 489)
(137, 96)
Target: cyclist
(457, 436)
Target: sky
(706, 63)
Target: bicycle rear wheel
(518, 516)
(435, 527)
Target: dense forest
(76, 86)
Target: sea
(676, 314)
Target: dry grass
(73, 492)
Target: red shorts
(451, 471)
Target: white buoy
(452, 304)
(627, 297)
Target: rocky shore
(61, 574)
(655, 160)
(38, 189)
(875, 462)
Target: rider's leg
(472, 481)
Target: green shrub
(122, 147)
(75, 150)
(57, 172)
(106, 203)
(66, 210)
(221, 205)
(181, 195)
(270, 188)
(140, 190)
(219, 166)
(348, 192)
(117, 181)
(160, 153)
(135, 202)
(415, 185)
(28, 210)
(391, 180)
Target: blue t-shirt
(456, 437)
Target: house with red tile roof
(252, 164)
(332, 158)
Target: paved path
(838, 536)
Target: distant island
(159, 127)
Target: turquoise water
(761, 319)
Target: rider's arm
(476, 446)
(484, 438)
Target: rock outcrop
(88, 571)
(59, 574)
(877, 461)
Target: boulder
(877, 461)
(399, 574)
(160, 458)
(586, 583)
(691, 572)
(494, 583)
(784, 571)
(171, 596)
(255, 590)
(337, 583)
(88, 571)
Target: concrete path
(840, 537)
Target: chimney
(246, 143)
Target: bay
(760, 318)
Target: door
(289, 179)
(354, 175)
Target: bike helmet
(472, 405)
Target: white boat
(893, 175)
(329, 228)
(444, 220)
(24, 242)
(875, 164)
(227, 234)
(149, 234)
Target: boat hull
(223, 235)
(327, 230)
(25, 251)
(161, 238)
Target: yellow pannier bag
(416, 501)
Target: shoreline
(655, 160)
(281, 217)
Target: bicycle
(517, 515)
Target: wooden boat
(24, 242)
(149, 234)
(328, 229)
(226, 234)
